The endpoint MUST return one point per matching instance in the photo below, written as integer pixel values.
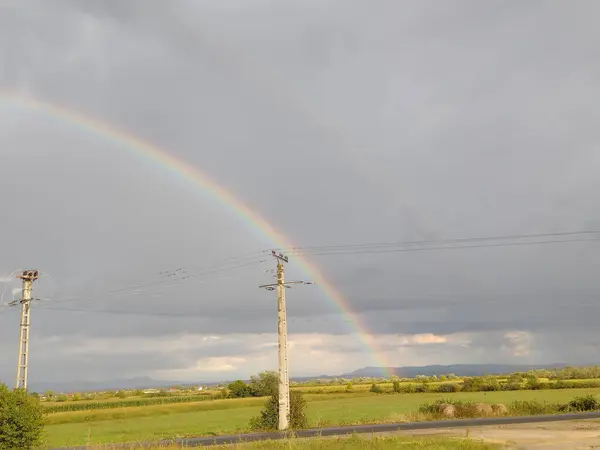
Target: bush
(533, 383)
(587, 403)
(533, 408)
(422, 388)
(511, 386)
(21, 419)
(376, 389)
(269, 416)
(433, 408)
(448, 387)
(396, 386)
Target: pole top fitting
(28, 275)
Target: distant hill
(77, 386)
(404, 372)
(457, 369)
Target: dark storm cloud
(340, 122)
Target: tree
(239, 389)
(269, 416)
(265, 383)
(21, 419)
(396, 386)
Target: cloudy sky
(339, 122)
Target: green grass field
(134, 424)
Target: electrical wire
(160, 284)
(387, 245)
(441, 247)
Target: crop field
(154, 422)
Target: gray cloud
(339, 122)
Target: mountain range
(403, 372)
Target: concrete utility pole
(284, 379)
(28, 277)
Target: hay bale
(442, 406)
(499, 409)
(483, 409)
(449, 411)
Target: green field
(134, 424)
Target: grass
(231, 416)
(356, 443)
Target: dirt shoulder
(568, 435)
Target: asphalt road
(341, 431)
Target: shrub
(587, 403)
(434, 408)
(269, 416)
(376, 388)
(511, 386)
(349, 386)
(533, 408)
(448, 387)
(422, 388)
(21, 419)
(533, 383)
(396, 386)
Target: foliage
(533, 408)
(532, 383)
(448, 387)
(264, 384)
(422, 388)
(269, 416)
(511, 387)
(239, 389)
(587, 403)
(92, 406)
(376, 389)
(396, 386)
(21, 419)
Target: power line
(382, 249)
(438, 241)
(136, 289)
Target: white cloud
(428, 339)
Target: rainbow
(193, 175)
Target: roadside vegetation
(354, 442)
(244, 406)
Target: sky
(339, 122)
